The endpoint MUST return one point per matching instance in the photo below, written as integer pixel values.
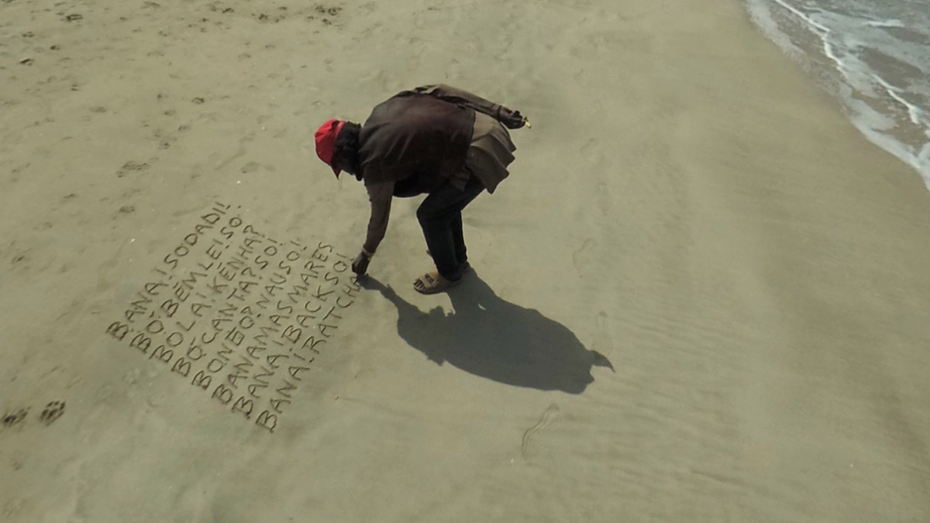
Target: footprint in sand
(250, 167)
(14, 418)
(531, 434)
(164, 139)
(131, 166)
(324, 14)
(583, 256)
(603, 342)
(52, 412)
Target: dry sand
(702, 296)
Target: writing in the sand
(240, 315)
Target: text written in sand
(240, 315)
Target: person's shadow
(495, 339)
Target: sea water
(873, 54)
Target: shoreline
(871, 115)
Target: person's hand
(512, 119)
(360, 264)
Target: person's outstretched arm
(380, 196)
(511, 119)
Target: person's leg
(440, 217)
(458, 240)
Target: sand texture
(701, 296)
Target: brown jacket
(427, 132)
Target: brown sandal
(433, 283)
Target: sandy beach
(701, 296)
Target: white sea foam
(884, 23)
(883, 77)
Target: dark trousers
(440, 216)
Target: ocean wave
(876, 58)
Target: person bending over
(436, 140)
